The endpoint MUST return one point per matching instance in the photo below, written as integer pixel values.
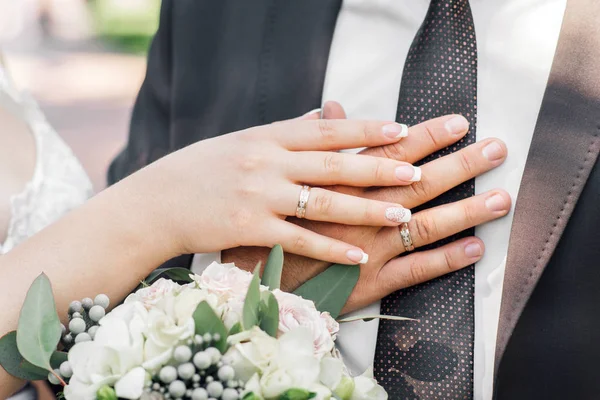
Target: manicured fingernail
(408, 173)
(473, 250)
(316, 110)
(395, 131)
(457, 125)
(357, 256)
(496, 203)
(493, 152)
(398, 214)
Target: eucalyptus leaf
(331, 288)
(269, 314)
(38, 330)
(250, 316)
(58, 357)
(271, 277)
(12, 361)
(235, 329)
(207, 321)
(176, 274)
(368, 318)
(297, 394)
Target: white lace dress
(59, 182)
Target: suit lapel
(563, 151)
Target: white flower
(294, 312)
(117, 350)
(224, 280)
(155, 293)
(366, 388)
(251, 352)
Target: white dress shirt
(516, 40)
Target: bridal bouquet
(225, 334)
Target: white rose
(116, 351)
(294, 312)
(224, 280)
(251, 352)
(150, 296)
(367, 388)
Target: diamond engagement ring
(303, 201)
(406, 238)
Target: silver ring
(406, 238)
(303, 201)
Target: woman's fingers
(424, 139)
(304, 242)
(331, 168)
(429, 226)
(329, 206)
(303, 135)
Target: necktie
(432, 358)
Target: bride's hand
(237, 189)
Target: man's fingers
(441, 175)
(415, 268)
(434, 224)
(424, 139)
(333, 110)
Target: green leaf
(12, 361)
(58, 357)
(250, 316)
(235, 329)
(271, 277)
(207, 321)
(269, 314)
(297, 394)
(368, 318)
(331, 288)
(38, 331)
(176, 274)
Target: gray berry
(196, 378)
(215, 389)
(63, 330)
(198, 339)
(230, 394)
(75, 306)
(68, 339)
(82, 337)
(226, 373)
(87, 303)
(232, 383)
(177, 389)
(76, 315)
(52, 378)
(207, 337)
(182, 354)
(186, 371)
(202, 360)
(209, 379)
(167, 374)
(214, 353)
(92, 331)
(96, 313)
(76, 326)
(65, 369)
(102, 300)
(200, 394)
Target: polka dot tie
(432, 358)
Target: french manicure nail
(316, 110)
(395, 131)
(457, 125)
(496, 203)
(493, 151)
(408, 173)
(473, 250)
(398, 214)
(357, 256)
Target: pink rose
(224, 280)
(294, 311)
(150, 296)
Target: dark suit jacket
(221, 66)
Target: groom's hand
(386, 272)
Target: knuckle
(250, 162)
(249, 190)
(430, 133)
(417, 273)
(332, 163)
(395, 151)
(467, 164)
(326, 130)
(323, 203)
(241, 219)
(449, 262)
(379, 171)
(299, 243)
(425, 229)
(470, 213)
(420, 190)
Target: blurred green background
(128, 25)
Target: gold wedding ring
(406, 238)
(303, 201)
